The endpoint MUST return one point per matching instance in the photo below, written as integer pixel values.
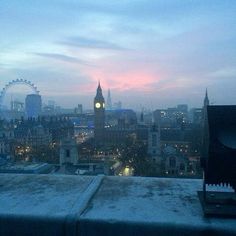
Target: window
(154, 140)
(172, 162)
(182, 167)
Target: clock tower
(99, 116)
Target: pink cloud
(122, 76)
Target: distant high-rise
(109, 102)
(117, 105)
(99, 116)
(33, 105)
(182, 108)
(79, 109)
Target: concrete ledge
(107, 228)
(11, 224)
(75, 205)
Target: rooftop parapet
(75, 205)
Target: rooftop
(25, 168)
(101, 205)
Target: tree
(135, 156)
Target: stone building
(99, 116)
(68, 151)
(175, 164)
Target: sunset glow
(162, 51)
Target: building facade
(154, 147)
(68, 151)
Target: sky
(150, 53)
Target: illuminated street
(127, 171)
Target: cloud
(164, 49)
(63, 58)
(90, 43)
(227, 72)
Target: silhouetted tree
(135, 156)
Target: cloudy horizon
(149, 53)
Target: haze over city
(117, 117)
(149, 53)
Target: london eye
(15, 83)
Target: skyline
(155, 54)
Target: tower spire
(142, 117)
(99, 90)
(206, 99)
(206, 95)
(99, 116)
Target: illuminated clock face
(103, 105)
(97, 105)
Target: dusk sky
(150, 53)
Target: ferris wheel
(14, 83)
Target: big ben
(99, 116)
